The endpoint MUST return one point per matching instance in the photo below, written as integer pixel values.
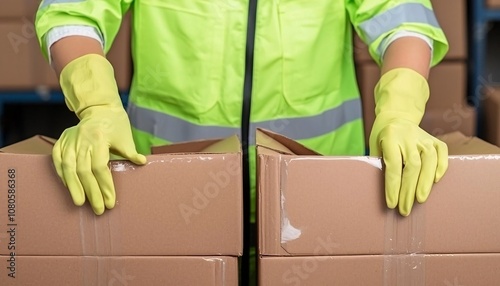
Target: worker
(209, 69)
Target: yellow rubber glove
(82, 153)
(413, 158)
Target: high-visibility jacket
(212, 68)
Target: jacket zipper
(245, 135)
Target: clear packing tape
(99, 238)
(102, 263)
(403, 258)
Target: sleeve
(377, 21)
(105, 16)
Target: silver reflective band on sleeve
(394, 17)
(174, 129)
(49, 2)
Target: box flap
(280, 143)
(459, 144)
(225, 145)
(38, 144)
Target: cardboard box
(187, 200)
(494, 4)
(452, 17)
(311, 205)
(378, 270)
(455, 118)
(446, 109)
(491, 120)
(24, 68)
(21, 62)
(12, 9)
(130, 271)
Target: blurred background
(465, 87)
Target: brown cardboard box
(460, 144)
(22, 66)
(495, 4)
(185, 201)
(455, 118)
(12, 9)
(378, 270)
(130, 271)
(491, 105)
(21, 62)
(312, 205)
(446, 109)
(451, 15)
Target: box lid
(281, 144)
(222, 145)
(38, 144)
(459, 144)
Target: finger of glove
(68, 169)
(89, 182)
(429, 161)
(442, 155)
(126, 149)
(57, 160)
(411, 173)
(102, 173)
(391, 154)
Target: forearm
(408, 52)
(69, 48)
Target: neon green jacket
(212, 68)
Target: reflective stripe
(313, 126)
(174, 129)
(393, 18)
(49, 2)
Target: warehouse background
(463, 93)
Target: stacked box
(323, 219)
(23, 67)
(177, 219)
(494, 4)
(447, 109)
(491, 113)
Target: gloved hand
(413, 158)
(82, 153)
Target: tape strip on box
(404, 261)
(99, 239)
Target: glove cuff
(89, 81)
(401, 93)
